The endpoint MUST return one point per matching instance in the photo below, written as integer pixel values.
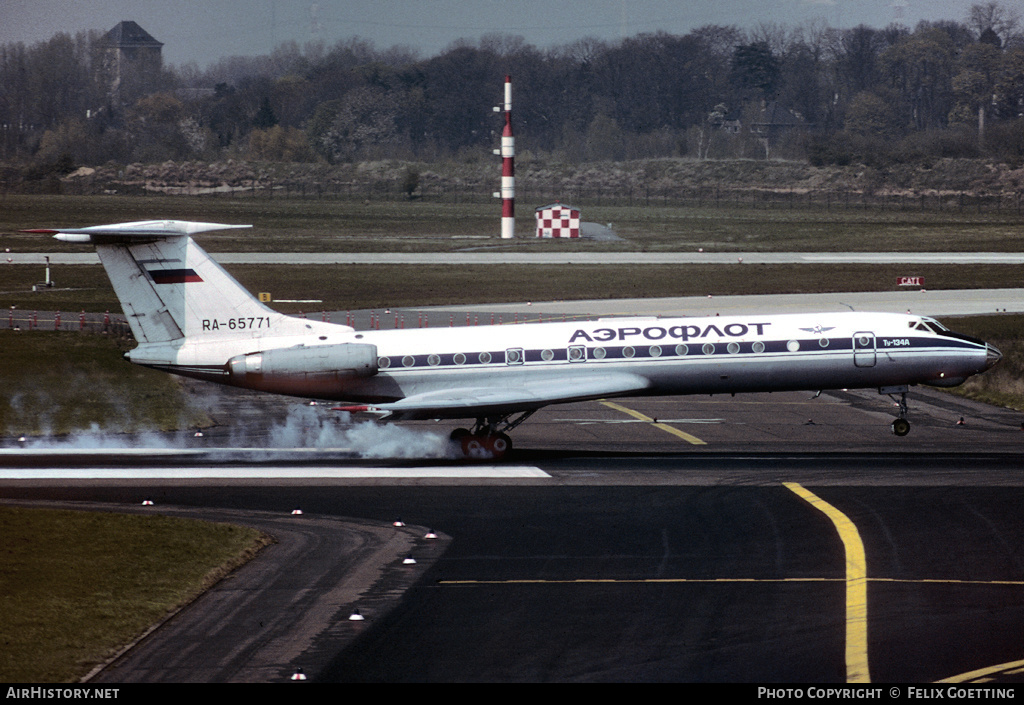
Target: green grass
(57, 383)
(1003, 385)
(373, 286)
(354, 287)
(76, 586)
(307, 225)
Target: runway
(765, 538)
(627, 552)
(507, 256)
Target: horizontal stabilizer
(127, 232)
(171, 290)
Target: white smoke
(308, 427)
(302, 427)
(370, 440)
(96, 438)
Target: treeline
(834, 96)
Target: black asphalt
(644, 558)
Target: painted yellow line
(981, 673)
(636, 581)
(664, 427)
(856, 586)
(856, 657)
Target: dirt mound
(947, 176)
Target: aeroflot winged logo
(174, 276)
(731, 330)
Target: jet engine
(307, 363)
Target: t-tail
(187, 313)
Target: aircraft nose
(992, 355)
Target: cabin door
(864, 349)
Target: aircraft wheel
(459, 433)
(499, 445)
(473, 447)
(901, 427)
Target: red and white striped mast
(508, 169)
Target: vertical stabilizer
(171, 289)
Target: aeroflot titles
(732, 330)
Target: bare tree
(993, 16)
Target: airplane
(191, 318)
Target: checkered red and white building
(558, 220)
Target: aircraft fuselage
(710, 355)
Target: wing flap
(468, 402)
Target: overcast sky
(206, 30)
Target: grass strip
(1003, 385)
(57, 383)
(77, 586)
(355, 287)
(330, 225)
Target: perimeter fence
(82, 322)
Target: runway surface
(616, 258)
(768, 538)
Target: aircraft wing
(468, 402)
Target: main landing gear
(900, 425)
(487, 441)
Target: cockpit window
(929, 325)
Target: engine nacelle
(324, 362)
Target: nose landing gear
(900, 425)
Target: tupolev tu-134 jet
(190, 317)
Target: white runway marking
(275, 473)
